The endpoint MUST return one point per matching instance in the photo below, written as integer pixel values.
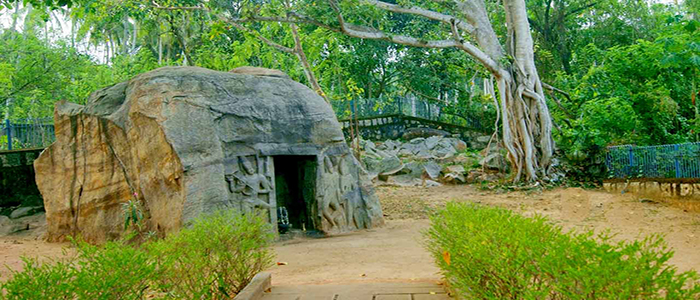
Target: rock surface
(25, 211)
(431, 161)
(186, 141)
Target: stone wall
(391, 127)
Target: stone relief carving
(331, 210)
(340, 198)
(251, 185)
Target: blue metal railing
(676, 161)
(28, 133)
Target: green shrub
(493, 253)
(213, 259)
(40, 281)
(112, 271)
(217, 256)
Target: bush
(493, 253)
(113, 271)
(217, 256)
(213, 259)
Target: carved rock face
(186, 141)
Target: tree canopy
(597, 73)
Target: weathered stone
(405, 180)
(186, 141)
(432, 183)
(389, 145)
(483, 139)
(454, 178)
(494, 161)
(432, 169)
(383, 166)
(480, 142)
(257, 71)
(425, 155)
(5, 224)
(459, 145)
(444, 152)
(390, 165)
(26, 224)
(432, 141)
(456, 169)
(24, 211)
(413, 168)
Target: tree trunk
(526, 122)
(160, 49)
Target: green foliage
(637, 94)
(493, 253)
(113, 271)
(213, 259)
(216, 257)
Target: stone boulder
(185, 141)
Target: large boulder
(185, 141)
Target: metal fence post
(8, 127)
(676, 163)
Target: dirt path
(394, 252)
(389, 253)
(13, 248)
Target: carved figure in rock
(252, 186)
(331, 194)
(350, 193)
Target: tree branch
(556, 100)
(429, 14)
(365, 32)
(576, 10)
(264, 39)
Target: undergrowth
(212, 259)
(493, 253)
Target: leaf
(446, 257)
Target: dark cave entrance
(295, 191)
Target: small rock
(459, 145)
(404, 180)
(432, 141)
(445, 153)
(24, 211)
(432, 169)
(483, 138)
(454, 178)
(390, 165)
(425, 154)
(494, 161)
(458, 169)
(432, 183)
(413, 168)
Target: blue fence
(24, 134)
(407, 106)
(677, 161)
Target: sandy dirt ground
(394, 253)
